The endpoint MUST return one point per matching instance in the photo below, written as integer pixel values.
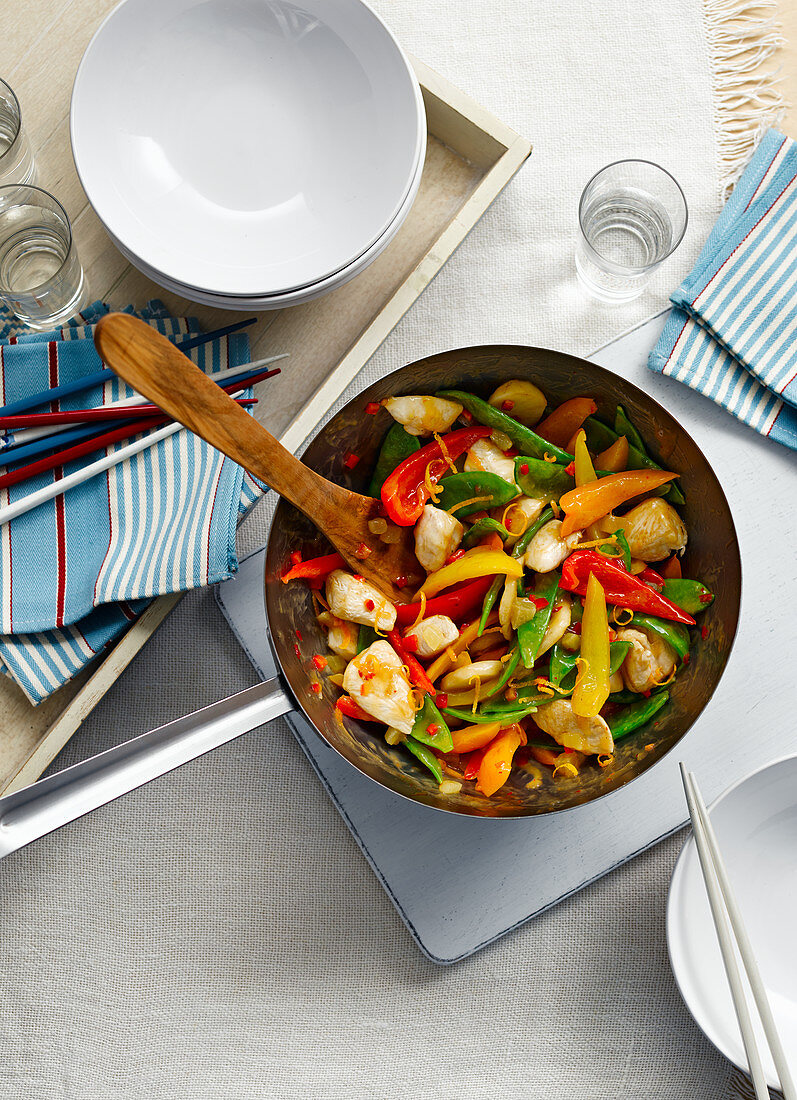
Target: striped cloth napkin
(733, 332)
(75, 571)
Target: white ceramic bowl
(290, 298)
(756, 826)
(246, 147)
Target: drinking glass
(632, 216)
(41, 279)
(16, 159)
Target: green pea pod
(426, 757)
(530, 634)
(563, 664)
(505, 677)
(526, 441)
(637, 714)
(675, 634)
(690, 596)
(617, 549)
(466, 487)
(505, 713)
(623, 426)
(489, 600)
(600, 436)
(520, 547)
(541, 480)
(397, 445)
(427, 716)
(481, 528)
(366, 636)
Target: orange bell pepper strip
(548, 757)
(584, 470)
(478, 562)
(470, 738)
(588, 503)
(497, 761)
(560, 426)
(592, 680)
(615, 457)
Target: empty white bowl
(246, 147)
(756, 826)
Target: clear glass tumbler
(41, 279)
(632, 216)
(16, 158)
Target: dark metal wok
(712, 555)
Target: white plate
(279, 301)
(246, 147)
(756, 826)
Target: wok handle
(34, 811)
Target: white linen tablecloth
(218, 934)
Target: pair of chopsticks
(729, 924)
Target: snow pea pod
(426, 757)
(506, 712)
(624, 426)
(520, 547)
(366, 636)
(637, 714)
(483, 527)
(429, 716)
(675, 634)
(474, 492)
(600, 436)
(506, 675)
(489, 600)
(530, 634)
(526, 441)
(396, 446)
(541, 480)
(691, 596)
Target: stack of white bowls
(248, 154)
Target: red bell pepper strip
(348, 706)
(457, 603)
(416, 669)
(314, 568)
(619, 586)
(405, 491)
(650, 576)
(474, 762)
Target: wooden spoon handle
(157, 369)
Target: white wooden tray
(459, 883)
(471, 156)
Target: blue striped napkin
(75, 571)
(733, 332)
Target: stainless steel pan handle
(37, 810)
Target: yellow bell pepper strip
(470, 738)
(615, 457)
(406, 490)
(592, 681)
(477, 562)
(587, 503)
(565, 420)
(497, 761)
(585, 471)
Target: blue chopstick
(99, 377)
(196, 341)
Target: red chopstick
(87, 447)
(101, 412)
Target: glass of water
(41, 279)
(16, 158)
(632, 216)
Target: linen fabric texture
(733, 333)
(77, 570)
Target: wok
(712, 555)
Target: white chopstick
(27, 435)
(729, 924)
(48, 492)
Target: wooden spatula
(151, 364)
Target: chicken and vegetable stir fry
(553, 616)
